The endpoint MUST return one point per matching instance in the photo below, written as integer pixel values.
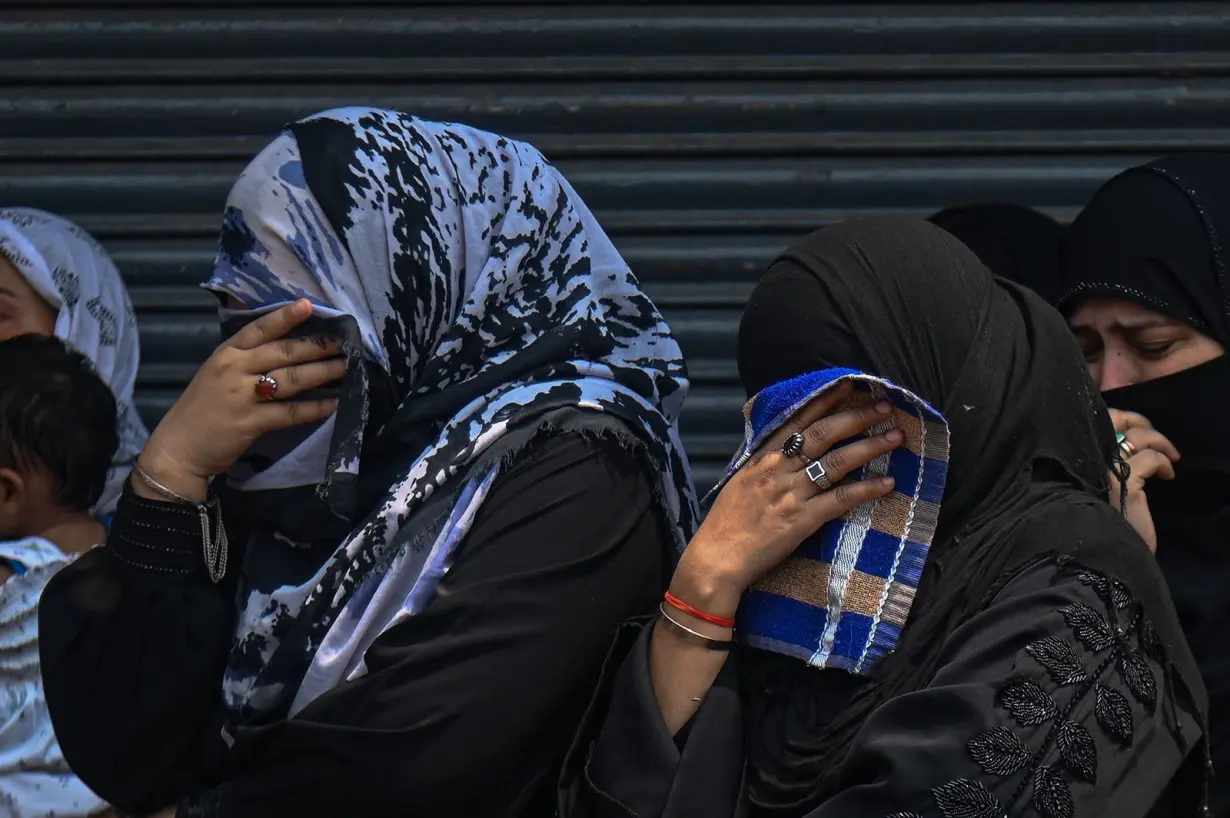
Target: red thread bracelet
(679, 604)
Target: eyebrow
(1148, 323)
(1130, 326)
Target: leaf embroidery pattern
(1150, 642)
(1114, 714)
(904, 815)
(1001, 752)
(998, 751)
(1111, 591)
(1078, 751)
(1138, 676)
(1052, 796)
(1092, 629)
(1028, 703)
(966, 799)
(1060, 659)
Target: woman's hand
(1154, 457)
(770, 505)
(220, 414)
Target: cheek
(1118, 366)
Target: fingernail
(887, 481)
(302, 307)
(894, 436)
(884, 407)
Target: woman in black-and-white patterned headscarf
(446, 415)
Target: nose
(1117, 371)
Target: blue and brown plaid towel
(842, 599)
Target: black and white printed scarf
(469, 275)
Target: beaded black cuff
(160, 537)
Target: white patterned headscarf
(479, 281)
(73, 273)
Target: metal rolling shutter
(705, 137)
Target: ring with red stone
(266, 387)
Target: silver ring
(816, 473)
(793, 447)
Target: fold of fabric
(843, 597)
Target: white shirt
(35, 781)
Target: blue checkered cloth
(841, 600)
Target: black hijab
(1030, 448)
(1014, 241)
(1155, 235)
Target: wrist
(170, 473)
(706, 588)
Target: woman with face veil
(370, 561)
(1040, 671)
(1149, 301)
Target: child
(58, 434)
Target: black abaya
(1155, 235)
(1042, 642)
(466, 708)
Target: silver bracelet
(707, 641)
(213, 536)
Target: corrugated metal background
(705, 137)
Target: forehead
(1100, 312)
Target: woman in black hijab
(1149, 302)
(1041, 670)
(1013, 241)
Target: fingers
(828, 431)
(1148, 438)
(840, 463)
(272, 326)
(1146, 465)
(285, 414)
(845, 460)
(286, 352)
(808, 415)
(294, 380)
(844, 498)
(1124, 420)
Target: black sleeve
(133, 638)
(467, 708)
(1048, 703)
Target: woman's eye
(1155, 351)
(1091, 353)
